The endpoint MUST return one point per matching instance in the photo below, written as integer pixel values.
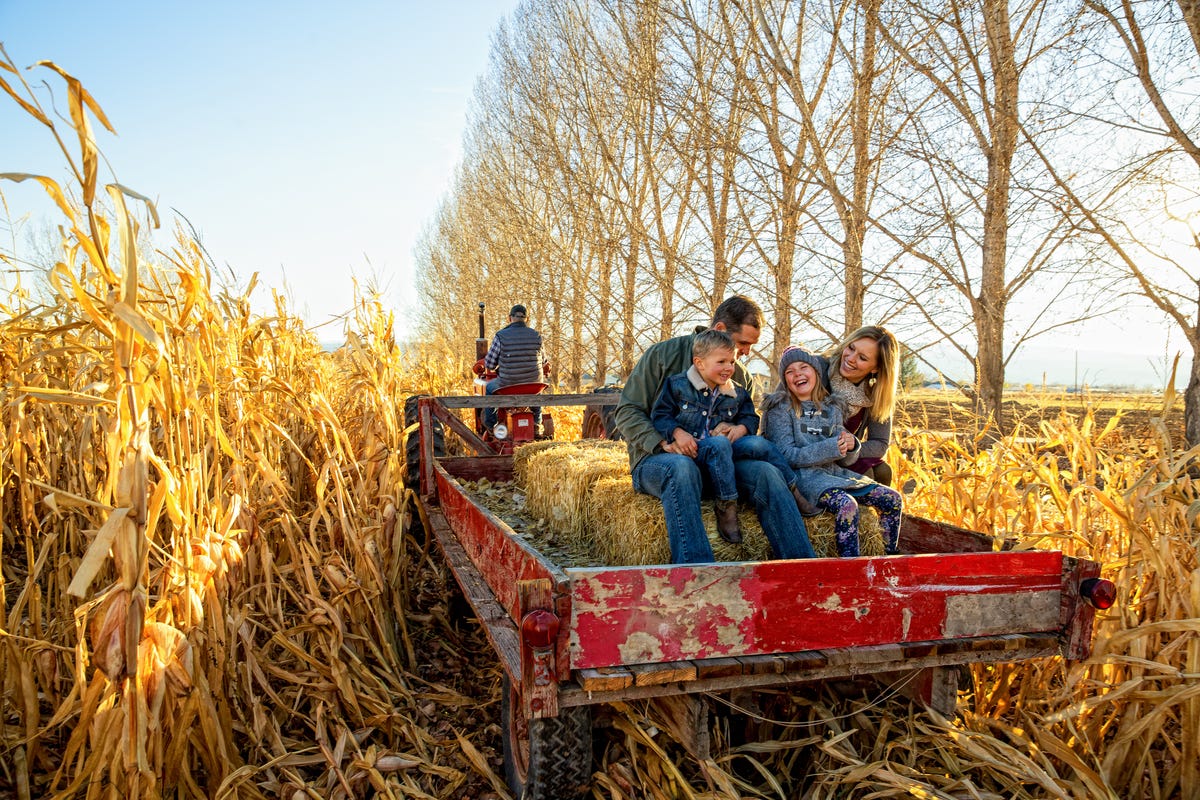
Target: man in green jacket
(659, 470)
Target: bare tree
(973, 218)
(1144, 207)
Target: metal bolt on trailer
(572, 638)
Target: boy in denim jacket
(696, 407)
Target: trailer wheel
(412, 441)
(545, 759)
(599, 422)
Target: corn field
(207, 591)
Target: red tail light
(1098, 592)
(539, 628)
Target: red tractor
(515, 423)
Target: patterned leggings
(845, 517)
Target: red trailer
(571, 638)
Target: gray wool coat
(808, 440)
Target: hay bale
(557, 480)
(628, 528)
(824, 543)
(584, 493)
(524, 454)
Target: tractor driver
(660, 470)
(516, 357)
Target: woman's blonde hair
(881, 384)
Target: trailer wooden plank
(1077, 616)
(497, 625)
(604, 679)
(802, 661)
(468, 435)
(761, 665)
(719, 667)
(922, 535)
(641, 615)
(658, 674)
(472, 468)
(544, 400)
(952, 652)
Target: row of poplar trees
(971, 173)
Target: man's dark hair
(736, 311)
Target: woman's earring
(871, 380)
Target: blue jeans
(677, 482)
(716, 456)
(489, 414)
(759, 448)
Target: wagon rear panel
(626, 616)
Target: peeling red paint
(695, 612)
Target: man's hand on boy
(682, 443)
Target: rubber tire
(412, 442)
(599, 422)
(559, 761)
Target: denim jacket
(686, 402)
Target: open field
(949, 411)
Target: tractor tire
(412, 442)
(599, 422)
(546, 759)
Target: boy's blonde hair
(710, 340)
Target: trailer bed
(667, 629)
(570, 637)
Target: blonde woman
(861, 373)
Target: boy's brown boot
(806, 508)
(727, 521)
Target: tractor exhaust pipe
(481, 343)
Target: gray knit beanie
(794, 354)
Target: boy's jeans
(715, 455)
(677, 482)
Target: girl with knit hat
(806, 425)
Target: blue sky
(306, 141)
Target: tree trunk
(991, 305)
(855, 221)
(629, 291)
(603, 326)
(1191, 398)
